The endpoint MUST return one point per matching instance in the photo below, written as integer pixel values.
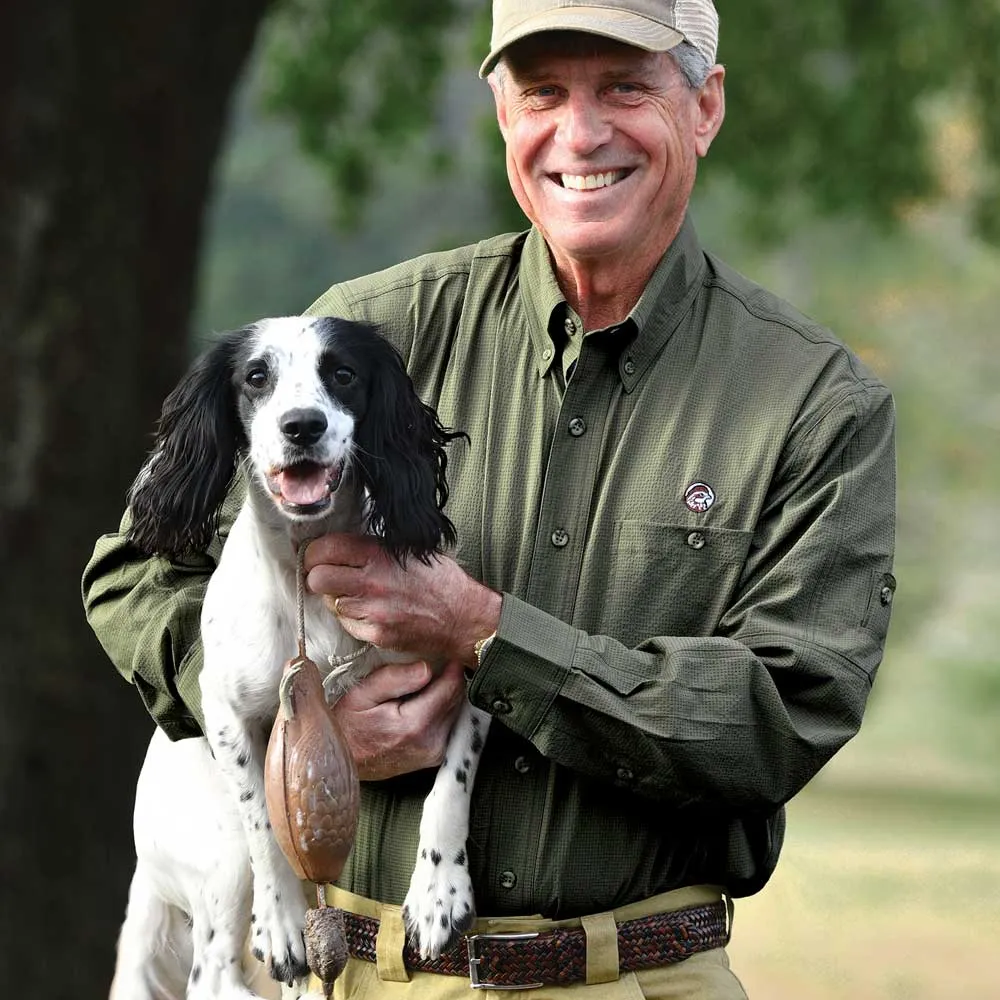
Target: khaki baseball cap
(654, 25)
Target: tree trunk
(111, 115)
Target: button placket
(570, 476)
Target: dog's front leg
(279, 906)
(440, 905)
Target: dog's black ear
(403, 462)
(174, 502)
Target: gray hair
(693, 65)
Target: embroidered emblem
(699, 497)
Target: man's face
(602, 142)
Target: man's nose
(583, 125)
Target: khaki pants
(705, 976)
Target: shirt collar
(664, 302)
(544, 302)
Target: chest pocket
(672, 579)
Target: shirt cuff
(525, 666)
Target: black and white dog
(331, 436)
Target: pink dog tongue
(304, 484)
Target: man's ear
(711, 110)
(498, 96)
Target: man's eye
(257, 377)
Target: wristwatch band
(481, 647)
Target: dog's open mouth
(306, 487)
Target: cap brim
(618, 25)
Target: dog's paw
(276, 936)
(439, 907)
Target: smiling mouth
(591, 182)
(305, 488)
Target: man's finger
(333, 580)
(391, 682)
(442, 694)
(339, 550)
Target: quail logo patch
(698, 497)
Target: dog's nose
(303, 427)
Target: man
(673, 577)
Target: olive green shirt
(690, 516)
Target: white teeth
(587, 182)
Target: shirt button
(624, 774)
(508, 879)
(629, 366)
(578, 427)
(501, 707)
(696, 540)
(570, 327)
(560, 538)
(522, 765)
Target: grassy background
(878, 896)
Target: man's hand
(432, 609)
(398, 718)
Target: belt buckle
(472, 940)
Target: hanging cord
(337, 663)
(285, 684)
(300, 596)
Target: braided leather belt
(523, 961)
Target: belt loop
(602, 947)
(730, 912)
(389, 946)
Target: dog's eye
(343, 376)
(257, 377)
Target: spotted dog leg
(219, 931)
(439, 906)
(279, 906)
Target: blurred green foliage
(360, 79)
(826, 99)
